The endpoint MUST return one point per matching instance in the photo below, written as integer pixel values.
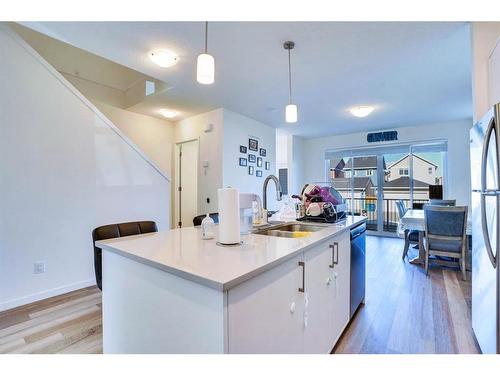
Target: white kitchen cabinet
(269, 314)
(265, 313)
(341, 275)
(318, 299)
(494, 76)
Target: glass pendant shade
(291, 113)
(205, 69)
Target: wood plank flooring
(69, 323)
(405, 312)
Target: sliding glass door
(373, 179)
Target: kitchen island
(172, 292)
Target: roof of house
(345, 183)
(337, 164)
(414, 155)
(404, 182)
(363, 162)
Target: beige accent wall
(154, 137)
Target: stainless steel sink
(297, 227)
(290, 230)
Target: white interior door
(186, 184)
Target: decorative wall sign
(382, 136)
(268, 166)
(251, 158)
(259, 161)
(253, 144)
(243, 149)
(243, 162)
(262, 152)
(250, 170)
(258, 173)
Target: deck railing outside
(368, 207)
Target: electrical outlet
(39, 267)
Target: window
(430, 170)
(403, 171)
(369, 172)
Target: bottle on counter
(207, 228)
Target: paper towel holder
(229, 245)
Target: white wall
(155, 137)
(237, 130)
(210, 150)
(456, 133)
(484, 38)
(64, 169)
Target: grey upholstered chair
(411, 236)
(445, 234)
(442, 202)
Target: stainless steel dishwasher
(358, 266)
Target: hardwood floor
(69, 323)
(405, 312)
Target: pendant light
(290, 109)
(205, 67)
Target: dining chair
(442, 202)
(411, 236)
(445, 235)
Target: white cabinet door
(341, 274)
(265, 314)
(319, 299)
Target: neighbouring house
(399, 188)
(337, 168)
(423, 170)
(363, 186)
(365, 166)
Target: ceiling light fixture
(163, 58)
(205, 67)
(290, 109)
(168, 113)
(361, 111)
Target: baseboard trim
(13, 303)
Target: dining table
(414, 219)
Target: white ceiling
(414, 73)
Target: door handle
(484, 225)
(335, 254)
(303, 265)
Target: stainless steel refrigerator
(485, 175)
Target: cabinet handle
(335, 254)
(303, 265)
(336, 258)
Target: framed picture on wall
(250, 170)
(259, 162)
(251, 158)
(243, 149)
(268, 166)
(258, 173)
(253, 144)
(263, 152)
(243, 162)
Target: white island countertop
(184, 253)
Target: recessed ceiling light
(361, 111)
(168, 113)
(163, 58)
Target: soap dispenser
(207, 228)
